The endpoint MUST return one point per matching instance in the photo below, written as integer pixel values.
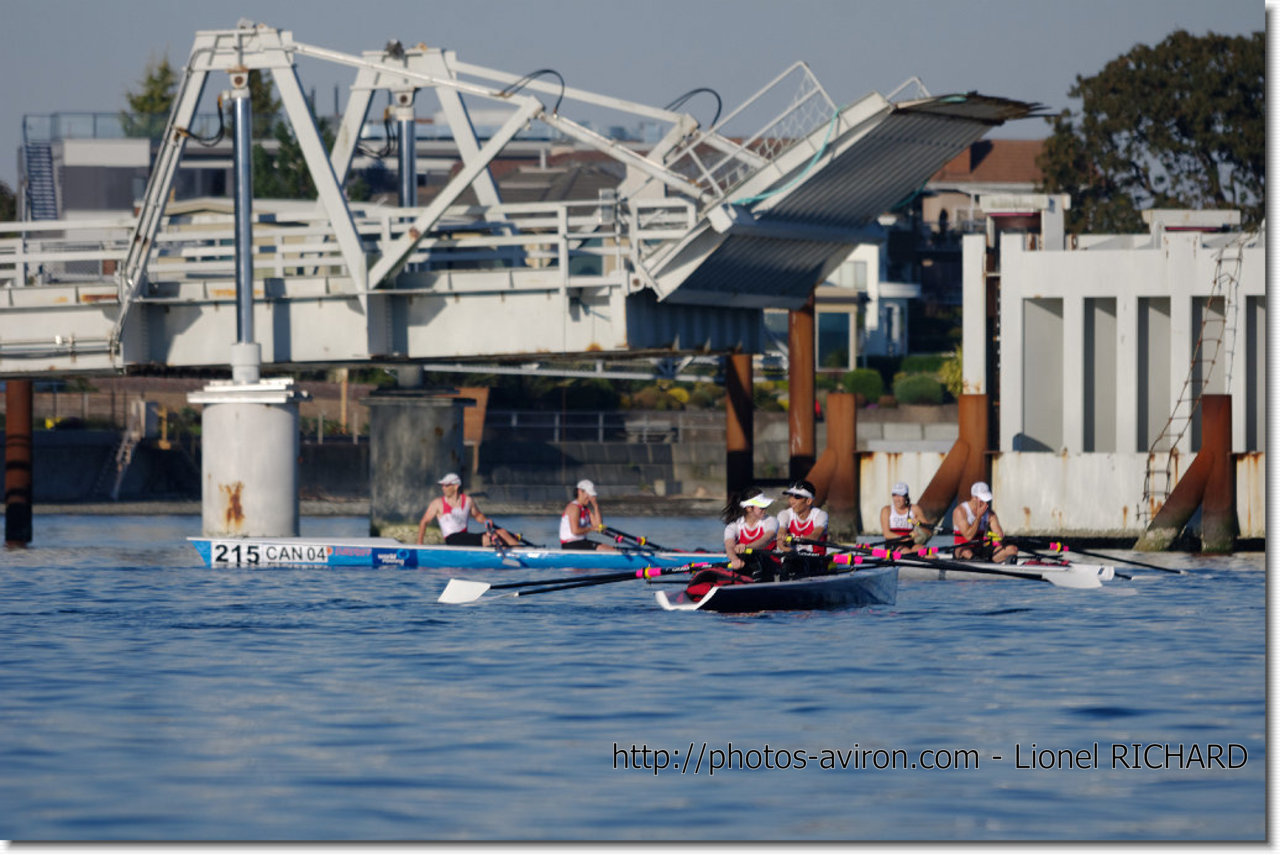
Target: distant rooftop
(995, 162)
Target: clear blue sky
(83, 55)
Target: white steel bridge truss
(708, 227)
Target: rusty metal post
(1209, 484)
(841, 489)
(1218, 510)
(18, 459)
(965, 463)
(800, 409)
(739, 414)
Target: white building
(1101, 345)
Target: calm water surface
(146, 697)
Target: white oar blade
(462, 591)
(1072, 578)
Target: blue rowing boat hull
(375, 552)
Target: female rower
(899, 518)
(801, 521)
(977, 526)
(799, 526)
(453, 511)
(748, 525)
(581, 517)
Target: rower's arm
(427, 517)
(884, 522)
(962, 525)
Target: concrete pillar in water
(739, 414)
(414, 440)
(18, 460)
(249, 460)
(800, 410)
(249, 427)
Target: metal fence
(591, 426)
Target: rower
(748, 526)
(974, 520)
(899, 518)
(798, 524)
(453, 511)
(581, 517)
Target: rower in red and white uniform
(453, 511)
(898, 518)
(801, 520)
(581, 517)
(977, 525)
(748, 525)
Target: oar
(1018, 542)
(459, 591)
(1058, 546)
(620, 536)
(1062, 577)
(517, 535)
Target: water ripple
(148, 698)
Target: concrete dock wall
(1036, 493)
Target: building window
(834, 349)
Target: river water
(145, 697)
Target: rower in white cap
(801, 521)
(977, 526)
(581, 517)
(453, 511)
(898, 518)
(748, 525)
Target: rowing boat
(868, 587)
(373, 552)
(986, 571)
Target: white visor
(798, 491)
(760, 501)
(451, 478)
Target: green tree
(263, 103)
(283, 174)
(149, 107)
(1178, 125)
(8, 204)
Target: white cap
(587, 487)
(981, 490)
(798, 491)
(760, 501)
(451, 478)
(901, 489)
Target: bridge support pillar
(249, 469)
(739, 414)
(415, 438)
(18, 459)
(835, 475)
(800, 410)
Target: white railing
(791, 106)
(292, 243)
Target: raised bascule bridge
(708, 227)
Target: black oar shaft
(637, 540)
(604, 578)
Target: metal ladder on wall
(1215, 344)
